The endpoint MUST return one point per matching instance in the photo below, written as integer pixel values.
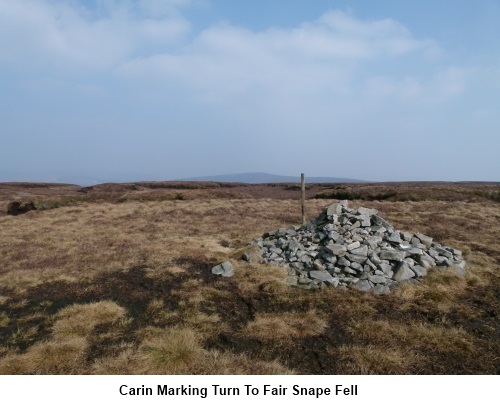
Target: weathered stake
(303, 198)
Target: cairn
(353, 248)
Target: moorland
(116, 279)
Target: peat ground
(116, 279)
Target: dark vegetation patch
(18, 208)
(50, 196)
(412, 192)
(493, 195)
(352, 195)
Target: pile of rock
(353, 248)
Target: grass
(282, 326)
(79, 320)
(100, 286)
(374, 359)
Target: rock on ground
(351, 248)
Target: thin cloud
(442, 85)
(60, 34)
(322, 58)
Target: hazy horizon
(167, 89)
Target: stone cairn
(353, 248)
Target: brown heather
(116, 280)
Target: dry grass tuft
(427, 337)
(81, 319)
(4, 319)
(51, 357)
(254, 278)
(171, 351)
(156, 312)
(228, 363)
(131, 361)
(125, 362)
(57, 357)
(178, 351)
(283, 326)
(370, 359)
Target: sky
(387, 90)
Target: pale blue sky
(107, 90)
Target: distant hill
(256, 178)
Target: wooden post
(303, 198)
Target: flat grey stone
(420, 271)
(343, 220)
(294, 246)
(224, 269)
(402, 272)
(297, 265)
(320, 275)
(392, 255)
(459, 270)
(381, 289)
(366, 211)
(319, 266)
(303, 280)
(357, 258)
(335, 236)
(378, 279)
(364, 276)
(280, 232)
(426, 240)
(348, 270)
(356, 266)
(370, 264)
(426, 261)
(333, 209)
(353, 245)
(415, 251)
(376, 220)
(361, 251)
(337, 250)
(375, 259)
(334, 281)
(366, 223)
(394, 237)
(373, 241)
(306, 260)
(379, 230)
(407, 236)
(363, 285)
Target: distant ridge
(259, 178)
